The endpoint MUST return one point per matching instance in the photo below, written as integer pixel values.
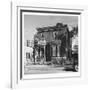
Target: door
(48, 53)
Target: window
(56, 35)
(28, 43)
(27, 55)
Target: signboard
(42, 42)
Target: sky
(31, 22)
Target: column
(44, 54)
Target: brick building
(52, 43)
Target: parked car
(72, 64)
(75, 60)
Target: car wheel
(76, 68)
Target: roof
(59, 26)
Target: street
(42, 69)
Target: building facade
(52, 43)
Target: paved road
(42, 69)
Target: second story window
(56, 35)
(28, 43)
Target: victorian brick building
(52, 42)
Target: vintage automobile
(72, 63)
(75, 61)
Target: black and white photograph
(50, 43)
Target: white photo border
(54, 75)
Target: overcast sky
(31, 22)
